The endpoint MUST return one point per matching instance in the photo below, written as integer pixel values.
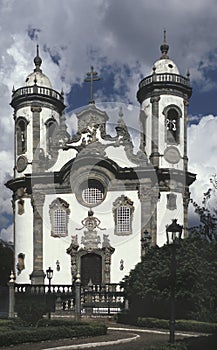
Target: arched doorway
(91, 269)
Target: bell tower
(38, 115)
(163, 97)
(39, 131)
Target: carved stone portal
(92, 262)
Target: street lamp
(145, 241)
(49, 273)
(173, 233)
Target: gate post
(11, 313)
(78, 298)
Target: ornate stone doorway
(91, 269)
(90, 261)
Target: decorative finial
(13, 90)
(188, 73)
(90, 212)
(121, 112)
(164, 47)
(37, 60)
(12, 277)
(121, 122)
(91, 77)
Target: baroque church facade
(87, 203)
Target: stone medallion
(22, 163)
(172, 155)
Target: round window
(91, 193)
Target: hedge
(50, 333)
(61, 322)
(181, 325)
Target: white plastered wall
(165, 216)
(126, 247)
(24, 240)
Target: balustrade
(30, 90)
(95, 299)
(165, 77)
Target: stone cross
(91, 77)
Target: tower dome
(37, 76)
(164, 64)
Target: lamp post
(145, 241)
(49, 274)
(173, 233)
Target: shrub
(32, 308)
(201, 343)
(178, 346)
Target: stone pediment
(91, 117)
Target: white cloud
(202, 151)
(7, 234)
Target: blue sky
(121, 39)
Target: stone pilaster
(143, 128)
(36, 110)
(154, 157)
(186, 103)
(107, 252)
(186, 200)
(148, 196)
(37, 276)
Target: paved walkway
(119, 337)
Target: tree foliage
(6, 263)
(148, 285)
(207, 213)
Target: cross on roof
(91, 77)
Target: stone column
(154, 157)
(36, 110)
(78, 298)
(38, 275)
(11, 313)
(147, 195)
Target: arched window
(21, 132)
(173, 115)
(51, 125)
(123, 214)
(59, 216)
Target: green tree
(148, 285)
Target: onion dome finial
(164, 47)
(37, 60)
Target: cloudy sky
(121, 38)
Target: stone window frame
(166, 111)
(20, 145)
(121, 202)
(171, 201)
(50, 123)
(84, 181)
(56, 205)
